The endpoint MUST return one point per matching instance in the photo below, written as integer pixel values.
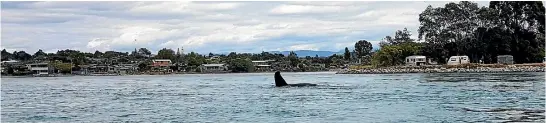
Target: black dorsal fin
(279, 81)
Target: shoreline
(471, 68)
(149, 74)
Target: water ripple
(456, 97)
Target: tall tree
(400, 36)
(145, 52)
(445, 28)
(293, 58)
(363, 48)
(347, 54)
(525, 23)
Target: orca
(279, 82)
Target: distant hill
(304, 53)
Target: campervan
(416, 60)
(457, 60)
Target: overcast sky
(204, 27)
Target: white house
(261, 65)
(416, 60)
(40, 68)
(212, 67)
(457, 60)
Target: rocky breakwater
(471, 68)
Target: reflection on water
(455, 97)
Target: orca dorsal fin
(279, 81)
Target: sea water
(252, 97)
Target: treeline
(237, 62)
(504, 28)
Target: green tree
(98, 54)
(347, 54)
(195, 59)
(392, 55)
(400, 36)
(241, 65)
(62, 67)
(166, 54)
(505, 28)
(293, 58)
(39, 53)
(145, 52)
(144, 66)
(525, 23)
(22, 56)
(6, 55)
(363, 48)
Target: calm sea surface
(253, 98)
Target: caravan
(457, 60)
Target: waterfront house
(40, 69)
(505, 59)
(96, 60)
(126, 68)
(99, 69)
(10, 62)
(416, 60)
(457, 60)
(161, 65)
(261, 65)
(210, 68)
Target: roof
(212, 65)
(263, 65)
(416, 57)
(10, 61)
(258, 61)
(161, 60)
(38, 63)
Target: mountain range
(311, 53)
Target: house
(261, 65)
(40, 68)
(97, 60)
(126, 68)
(505, 59)
(16, 66)
(214, 57)
(416, 60)
(206, 68)
(99, 69)
(457, 60)
(161, 65)
(10, 62)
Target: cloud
(203, 26)
(304, 47)
(302, 9)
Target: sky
(203, 27)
